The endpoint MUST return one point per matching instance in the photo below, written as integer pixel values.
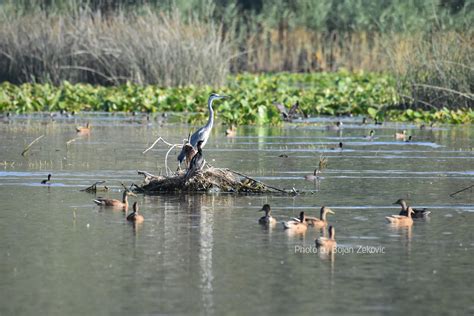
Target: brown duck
(115, 203)
(321, 221)
(400, 220)
(134, 216)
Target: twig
(146, 174)
(156, 141)
(27, 148)
(93, 188)
(462, 190)
(245, 176)
(172, 146)
(465, 95)
(71, 141)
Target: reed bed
(85, 46)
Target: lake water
(205, 253)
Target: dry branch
(27, 148)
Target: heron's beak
(224, 96)
(132, 194)
(330, 211)
(260, 210)
(395, 203)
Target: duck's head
(135, 207)
(371, 133)
(325, 210)
(401, 202)
(339, 124)
(49, 177)
(266, 208)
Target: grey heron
(204, 132)
(197, 162)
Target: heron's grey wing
(197, 136)
(200, 134)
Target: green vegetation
(425, 45)
(253, 98)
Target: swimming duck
(401, 220)
(418, 213)
(327, 243)
(115, 203)
(321, 221)
(401, 136)
(134, 216)
(267, 219)
(231, 132)
(45, 181)
(314, 176)
(197, 163)
(336, 127)
(296, 225)
(84, 129)
(371, 134)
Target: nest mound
(209, 180)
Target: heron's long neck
(210, 122)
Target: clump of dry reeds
(85, 46)
(434, 69)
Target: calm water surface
(205, 253)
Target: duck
(84, 129)
(231, 132)
(328, 243)
(321, 221)
(197, 163)
(401, 136)
(401, 220)
(418, 213)
(296, 225)
(340, 145)
(409, 139)
(336, 127)
(371, 134)
(134, 216)
(314, 176)
(115, 203)
(47, 181)
(267, 219)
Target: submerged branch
(462, 190)
(27, 148)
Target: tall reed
(86, 46)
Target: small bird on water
(134, 216)
(267, 219)
(418, 213)
(47, 181)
